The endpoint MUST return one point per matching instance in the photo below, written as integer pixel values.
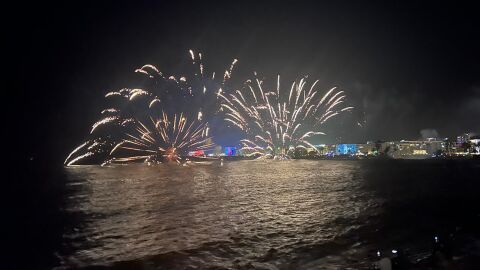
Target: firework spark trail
(104, 121)
(76, 150)
(162, 139)
(278, 122)
(192, 93)
(196, 85)
(88, 149)
(73, 161)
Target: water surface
(296, 214)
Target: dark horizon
(406, 67)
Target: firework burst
(162, 139)
(277, 122)
(194, 93)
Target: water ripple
(247, 214)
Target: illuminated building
(419, 151)
(462, 139)
(230, 151)
(197, 153)
(346, 149)
(475, 144)
(416, 149)
(321, 149)
(365, 149)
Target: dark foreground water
(264, 214)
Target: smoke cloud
(429, 133)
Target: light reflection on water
(242, 214)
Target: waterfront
(262, 214)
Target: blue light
(346, 149)
(230, 151)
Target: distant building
(346, 149)
(197, 153)
(320, 149)
(466, 144)
(475, 140)
(475, 144)
(416, 149)
(417, 152)
(436, 147)
(385, 147)
(230, 151)
(217, 151)
(365, 149)
(462, 139)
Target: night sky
(406, 67)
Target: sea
(256, 214)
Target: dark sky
(405, 66)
